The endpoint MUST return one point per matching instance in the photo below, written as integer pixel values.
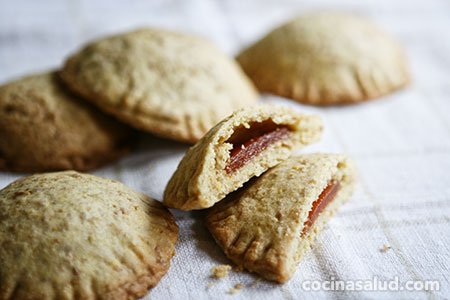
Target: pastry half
(269, 224)
(325, 59)
(243, 145)
(171, 84)
(68, 235)
(43, 127)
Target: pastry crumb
(220, 271)
(256, 282)
(385, 249)
(236, 288)
(209, 285)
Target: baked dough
(171, 84)
(262, 227)
(203, 176)
(68, 235)
(326, 59)
(43, 127)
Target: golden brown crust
(201, 178)
(327, 59)
(259, 227)
(69, 235)
(171, 84)
(43, 127)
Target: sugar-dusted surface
(401, 143)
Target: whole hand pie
(243, 145)
(171, 84)
(43, 127)
(68, 235)
(325, 59)
(269, 224)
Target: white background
(401, 143)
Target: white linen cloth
(401, 143)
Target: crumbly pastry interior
(68, 235)
(327, 58)
(242, 146)
(269, 224)
(171, 84)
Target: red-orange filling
(319, 205)
(243, 153)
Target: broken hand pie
(270, 223)
(325, 59)
(243, 145)
(171, 84)
(68, 235)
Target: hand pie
(269, 224)
(326, 59)
(43, 127)
(243, 145)
(68, 235)
(171, 84)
